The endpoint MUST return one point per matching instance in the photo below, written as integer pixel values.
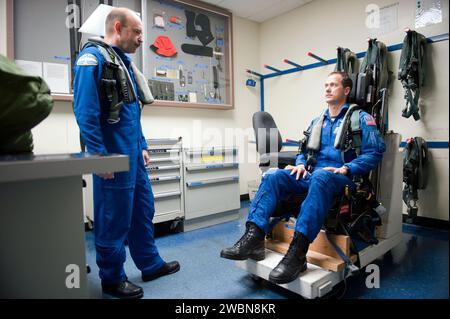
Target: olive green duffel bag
(24, 102)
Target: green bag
(24, 102)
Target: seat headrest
(268, 138)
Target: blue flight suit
(322, 187)
(124, 205)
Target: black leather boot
(293, 263)
(123, 290)
(251, 245)
(164, 270)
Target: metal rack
(322, 62)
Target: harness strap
(341, 140)
(412, 71)
(316, 134)
(350, 268)
(313, 143)
(356, 132)
(114, 70)
(350, 123)
(415, 159)
(109, 85)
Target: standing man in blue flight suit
(323, 184)
(123, 202)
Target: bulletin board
(41, 38)
(42, 47)
(187, 54)
(199, 75)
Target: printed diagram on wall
(428, 12)
(186, 53)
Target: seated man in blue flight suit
(123, 202)
(323, 184)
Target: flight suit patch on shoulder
(370, 120)
(87, 59)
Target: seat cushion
(282, 158)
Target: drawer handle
(165, 159)
(167, 194)
(212, 181)
(165, 178)
(211, 166)
(162, 168)
(212, 152)
(163, 151)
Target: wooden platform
(320, 253)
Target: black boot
(251, 245)
(165, 269)
(293, 263)
(123, 290)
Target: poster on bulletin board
(187, 54)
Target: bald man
(108, 116)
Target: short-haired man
(323, 184)
(123, 202)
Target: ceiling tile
(258, 10)
(277, 9)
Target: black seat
(269, 142)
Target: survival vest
(359, 212)
(116, 84)
(411, 71)
(348, 136)
(375, 61)
(415, 163)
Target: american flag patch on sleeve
(370, 120)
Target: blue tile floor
(418, 268)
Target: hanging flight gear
(376, 61)
(346, 60)
(411, 71)
(415, 163)
(25, 102)
(114, 70)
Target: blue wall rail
(322, 62)
(430, 144)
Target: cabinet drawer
(167, 157)
(167, 203)
(171, 184)
(211, 196)
(197, 175)
(157, 161)
(163, 170)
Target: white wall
(320, 27)
(59, 132)
(3, 27)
